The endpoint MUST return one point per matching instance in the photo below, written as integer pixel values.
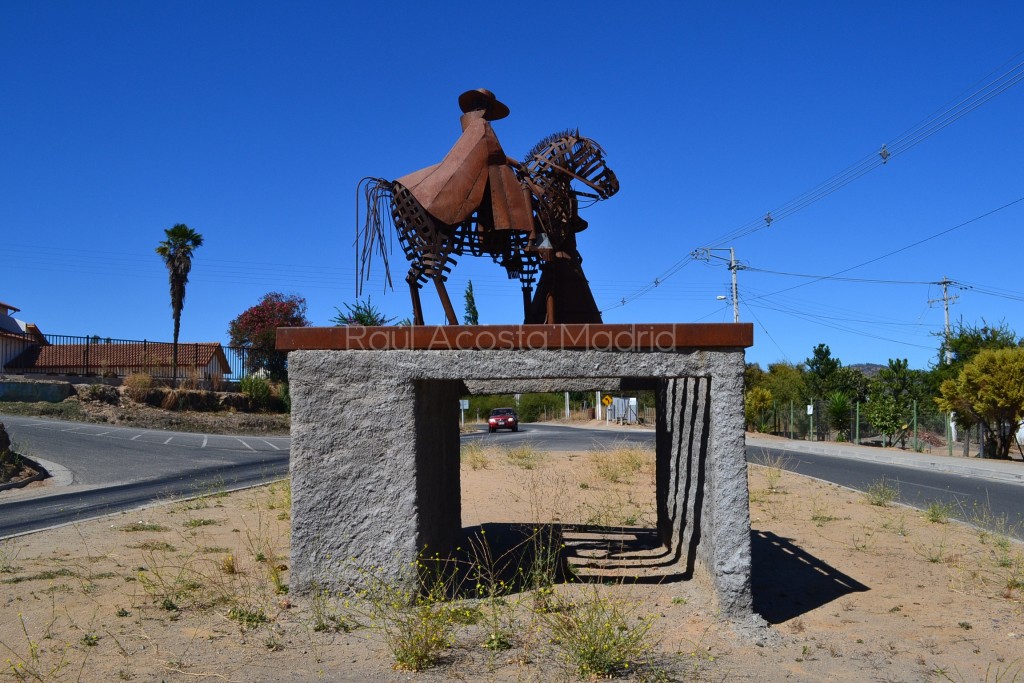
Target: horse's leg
(446, 303)
(447, 241)
(414, 291)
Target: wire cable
(907, 140)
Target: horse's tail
(375, 194)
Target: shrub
(534, 407)
(257, 390)
(101, 393)
(186, 399)
(285, 394)
(137, 386)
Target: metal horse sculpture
(553, 171)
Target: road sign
(607, 400)
(464, 404)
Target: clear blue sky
(252, 122)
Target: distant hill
(868, 369)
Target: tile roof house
(15, 335)
(121, 358)
(26, 350)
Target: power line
(840, 279)
(909, 139)
(903, 248)
(850, 330)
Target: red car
(503, 418)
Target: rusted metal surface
(617, 337)
(525, 216)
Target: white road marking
(136, 436)
(204, 441)
(270, 444)
(933, 488)
(168, 440)
(101, 433)
(245, 444)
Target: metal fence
(924, 430)
(95, 356)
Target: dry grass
(145, 597)
(620, 463)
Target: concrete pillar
(375, 474)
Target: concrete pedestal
(375, 437)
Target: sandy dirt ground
(195, 590)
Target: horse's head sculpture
(560, 169)
(568, 156)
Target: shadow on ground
(570, 552)
(788, 582)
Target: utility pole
(704, 254)
(947, 358)
(946, 301)
(735, 291)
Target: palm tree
(176, 251)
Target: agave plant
(837, 410)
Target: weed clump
(475, 455)
(525, 456)
(938, 512)
(600, 637)
(881, 493)
(619, 464)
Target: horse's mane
(546, 142)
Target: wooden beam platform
(616, 337)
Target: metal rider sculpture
(524, 216)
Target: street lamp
(735, 308)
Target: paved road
(561, 438)
(972, 489)
(103, 469)
(980, 488)
(111, 469)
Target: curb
(41, 473)
(964, 469)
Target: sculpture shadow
(513, 552)
(787, 581)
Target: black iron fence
(95, 356)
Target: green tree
(757, 403)
(821, 366)
(176, 251)
(990, 388)
(255, 329)
(788, 388)
(753, 375)
(891, 397)
(966, 341)
(849, 381)
(957, 349)
(360, 314)
(472, 317)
